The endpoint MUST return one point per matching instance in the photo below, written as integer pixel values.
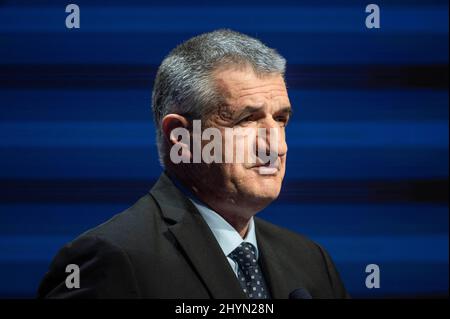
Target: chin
(256, 197)
(265, 194)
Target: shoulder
(104, 256)
(300, 252)
(129, 228)
(283, 237)
(112, 242)
(292, 246)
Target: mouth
(268, 168)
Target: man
(194, 235)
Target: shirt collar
(227, 237)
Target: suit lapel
(272, 264)
(197, 241)
(207, 258)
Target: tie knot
(244, 255)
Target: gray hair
(184, 83)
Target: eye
(282, 119)
(245, 120)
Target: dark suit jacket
(162, 248)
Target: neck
(239, 223)
(222, 206)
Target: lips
(268, 168)
(265, 170)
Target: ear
(171, 122)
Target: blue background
(367, 173)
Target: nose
(271, 138)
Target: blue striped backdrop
(367, 173)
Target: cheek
(234, 172)
(239, 175)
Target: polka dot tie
(249, 274)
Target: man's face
(253, 103)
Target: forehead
(241, 87)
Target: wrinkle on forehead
(243, 84)
(269, 91)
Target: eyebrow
(252, 109)
(286, 109)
